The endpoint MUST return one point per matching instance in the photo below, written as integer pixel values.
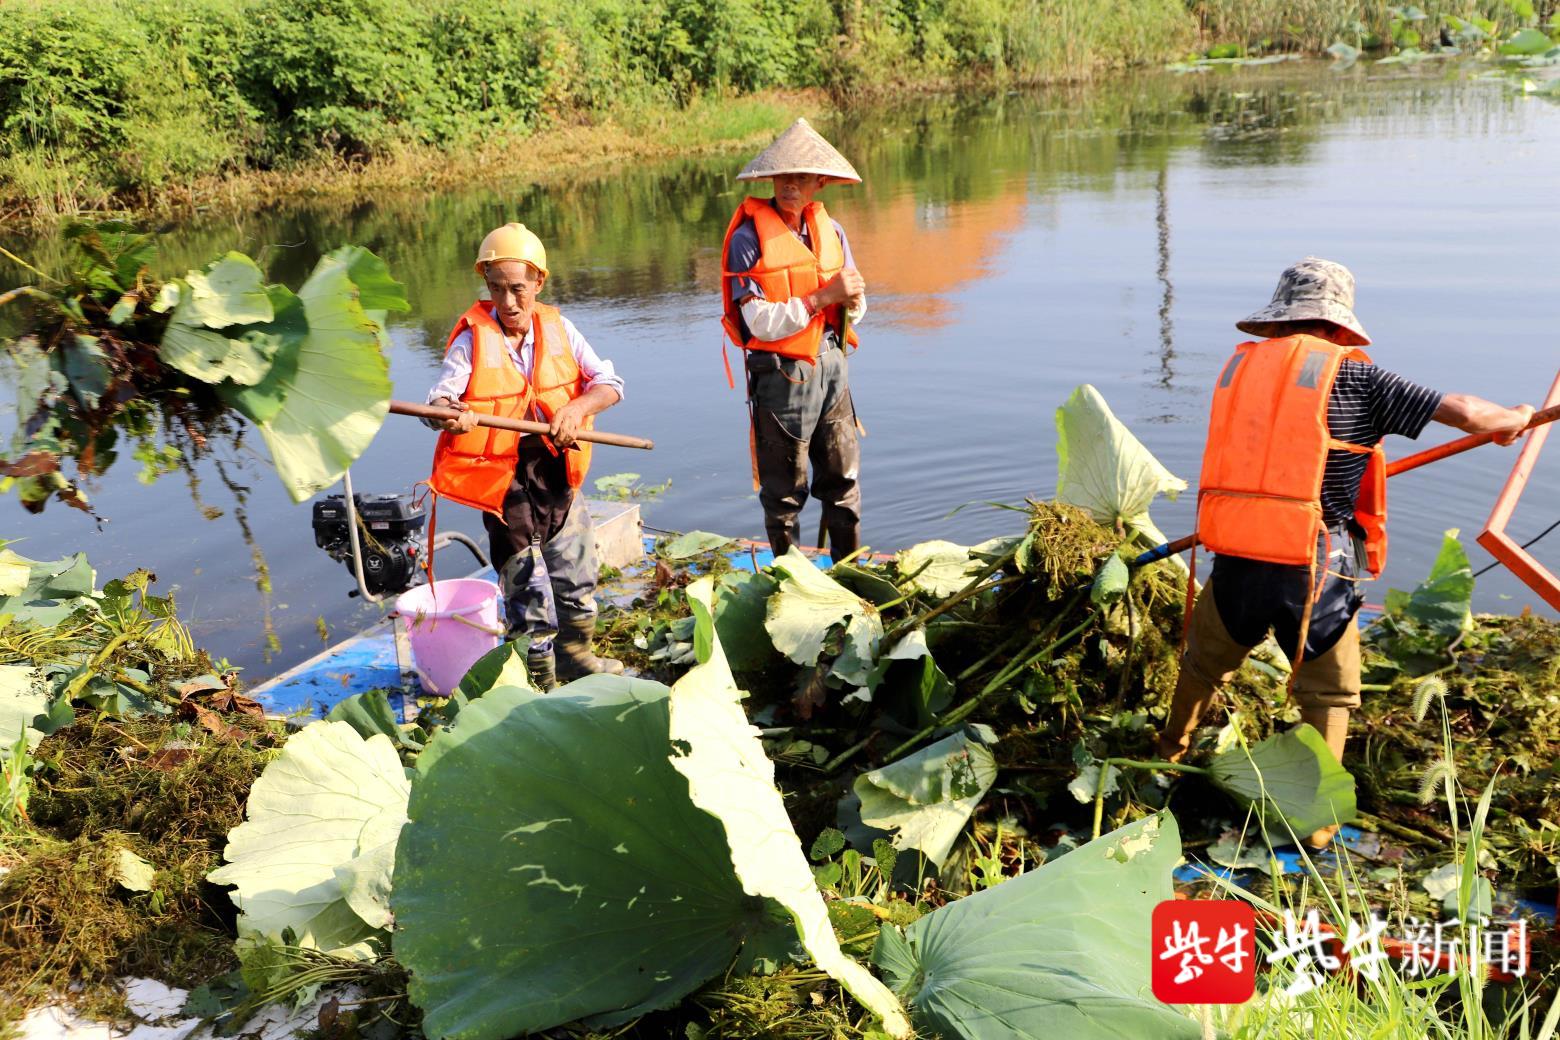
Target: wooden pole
(428, 411)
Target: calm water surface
(1013, 247)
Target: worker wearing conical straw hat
(1292, 499)
(790, 293)
(513, 356)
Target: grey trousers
(548, 580)
(803, 414)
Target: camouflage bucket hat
(1311, 290)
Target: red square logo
(1204, 951)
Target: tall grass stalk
(1350, 1004)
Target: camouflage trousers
(544, 550)
(803, 414)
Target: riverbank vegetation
(163, 106)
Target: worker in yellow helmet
(512, 356)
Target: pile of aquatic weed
(164, 791)
(1499, 701)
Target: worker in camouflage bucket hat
(1292, 500)
(790, 294)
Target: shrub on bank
(103, 98)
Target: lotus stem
(966, 709)
(23, 290)
(1131, 763)
(975, 587)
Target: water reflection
(1015, 245)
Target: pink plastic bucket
(450, 625)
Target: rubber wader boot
(540, 667)
(1191, 699)
(576, 656)
(1333, 725)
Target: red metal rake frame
(1494, 537)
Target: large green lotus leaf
(692, 543)
(230, 291)
(370, 714)
(54, 589)
(926, 798)
(741, 599)
(555, 868)
(329, 799)
(15, 572)
(938, 568)
(909, 675)
(377, 290)
(1294, 772)
(855, 664)
(279, 340)
(1527, 41)
(731, 778)
(1103, 468)
(1062, 951)
(338, 393)
(1443, 601)
(215, 356)
(194, 349)
(866, 583)
(808, 604)
(22, 699)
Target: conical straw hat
(801, 149)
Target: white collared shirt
(455, 373)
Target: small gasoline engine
(390, 532)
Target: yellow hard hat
(512, 242)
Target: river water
(1013, 246)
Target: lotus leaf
(938, 568)
(329, 799)
(230, 291)
(808, 604)
(338, 391)
(1294, 772)
(504, 665)
(1103, 468)
(15, 572)
(282, 336)
(1442, 603)
(868, 584)
(741, 599)
(1110, 584)
(86, 367)
(731, 778)
(926, 798)
(370, 714)
(692, 543)
(1527, 41)
(1085, 787)
(555, 869)
(22, 700)
(377, 291)
(55, 589)
(910, 675)
(1061, 951)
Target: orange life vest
(786, 269)
(476, 468)
(1260, 492)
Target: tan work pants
(1326, 688)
